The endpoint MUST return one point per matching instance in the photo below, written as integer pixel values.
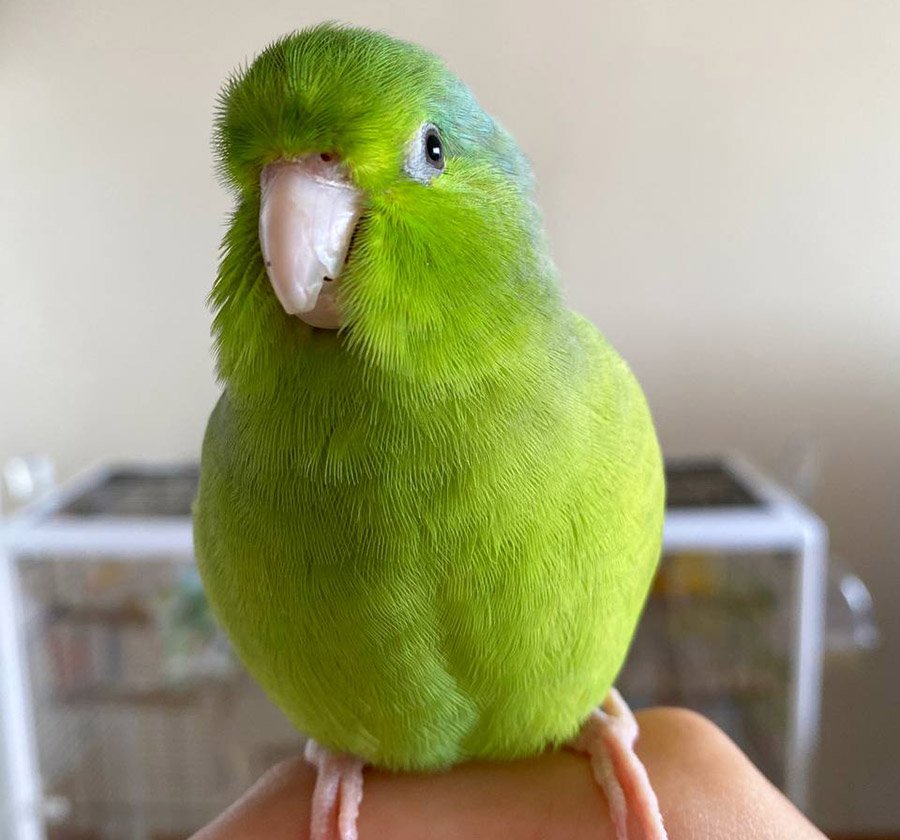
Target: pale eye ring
(425, 154)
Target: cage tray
(135, 492)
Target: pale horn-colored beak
(308, 212)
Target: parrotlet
(431, 496)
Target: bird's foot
(337, 795)
(608, 737)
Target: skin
(706, 786)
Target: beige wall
(721, 182)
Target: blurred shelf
(126, 614)
(164, 696)
(713, 602)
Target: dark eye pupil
(433, 148)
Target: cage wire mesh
(146, 727)
(713, 638)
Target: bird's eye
(434, 148)
(425, 154)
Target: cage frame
(782, 525)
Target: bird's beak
(308, 212)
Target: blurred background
(721, 186)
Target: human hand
(707, 789)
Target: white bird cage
(125, 716)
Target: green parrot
(431, 496)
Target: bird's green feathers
(429, 534)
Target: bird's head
(380, 212)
